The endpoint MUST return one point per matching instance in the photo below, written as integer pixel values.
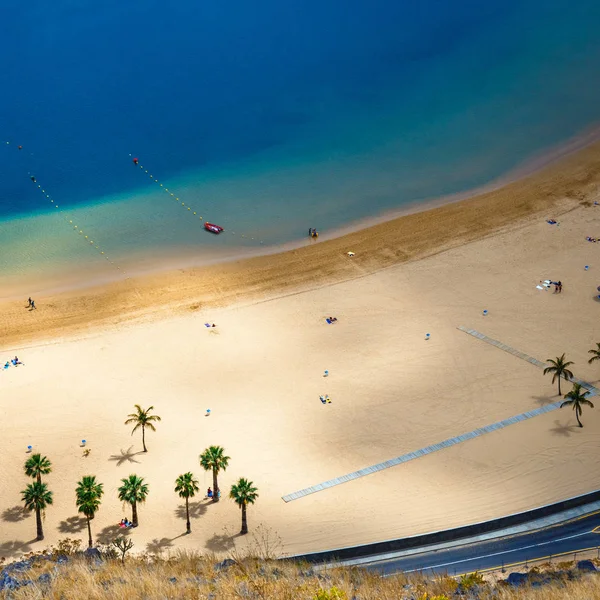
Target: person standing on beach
(33, 305)
(559, 286)
(29, 302)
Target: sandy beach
(90, 355)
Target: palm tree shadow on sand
(15, 546)
(564, 430)
(221, 543)
(197, 509)
(15, 514)
(545, 400)
(125, 456)
(72, 525)
(110, 533)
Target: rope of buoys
(69, 220)
(193, 213)
(76, 228)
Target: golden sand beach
(90, 355)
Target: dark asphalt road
(563, 538)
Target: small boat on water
(213, 228)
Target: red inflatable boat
(213, 228)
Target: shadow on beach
(15, 514)
(15, 546)
(72, 525)
(564, 430)
(110, 533)
(197, 509)
(125, 456)
(544, 400)
(221, 543)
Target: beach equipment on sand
(427, 336)
(83, 443)
(29, 448)
(350, 254)
(485, 312)
(208, 412)
(587, 267)
(326, 373)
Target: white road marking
(470, 559)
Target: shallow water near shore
(267, 120)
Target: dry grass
(193, 576)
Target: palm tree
(186, 486)
(37, 497)
(214, 459)
(243, 493)
(576, 399)
(133, 490)
(88, 495)
(36, 466)
(559, 369)
(595, 352)
(142, 419)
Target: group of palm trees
(559, 368)
(88, 493)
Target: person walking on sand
(559, 286)
(33, 305)
(29, 301)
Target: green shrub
(470, 580)
(332, 594)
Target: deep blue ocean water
(271, 117)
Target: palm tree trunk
(38, 522)
(244, 521)
(577, 415)
(559, 385)
(39, 478)
(90, 541)
(144, 436)
(134, 518)
(188, 525)
(215, 497)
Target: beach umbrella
(598, 288)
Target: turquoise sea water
(267, 118)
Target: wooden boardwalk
(450, 441)
(534, 361)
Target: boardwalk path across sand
(451, 441)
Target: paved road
(563, 538)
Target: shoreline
(261, 372)
(559, 186)
(142, 266)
